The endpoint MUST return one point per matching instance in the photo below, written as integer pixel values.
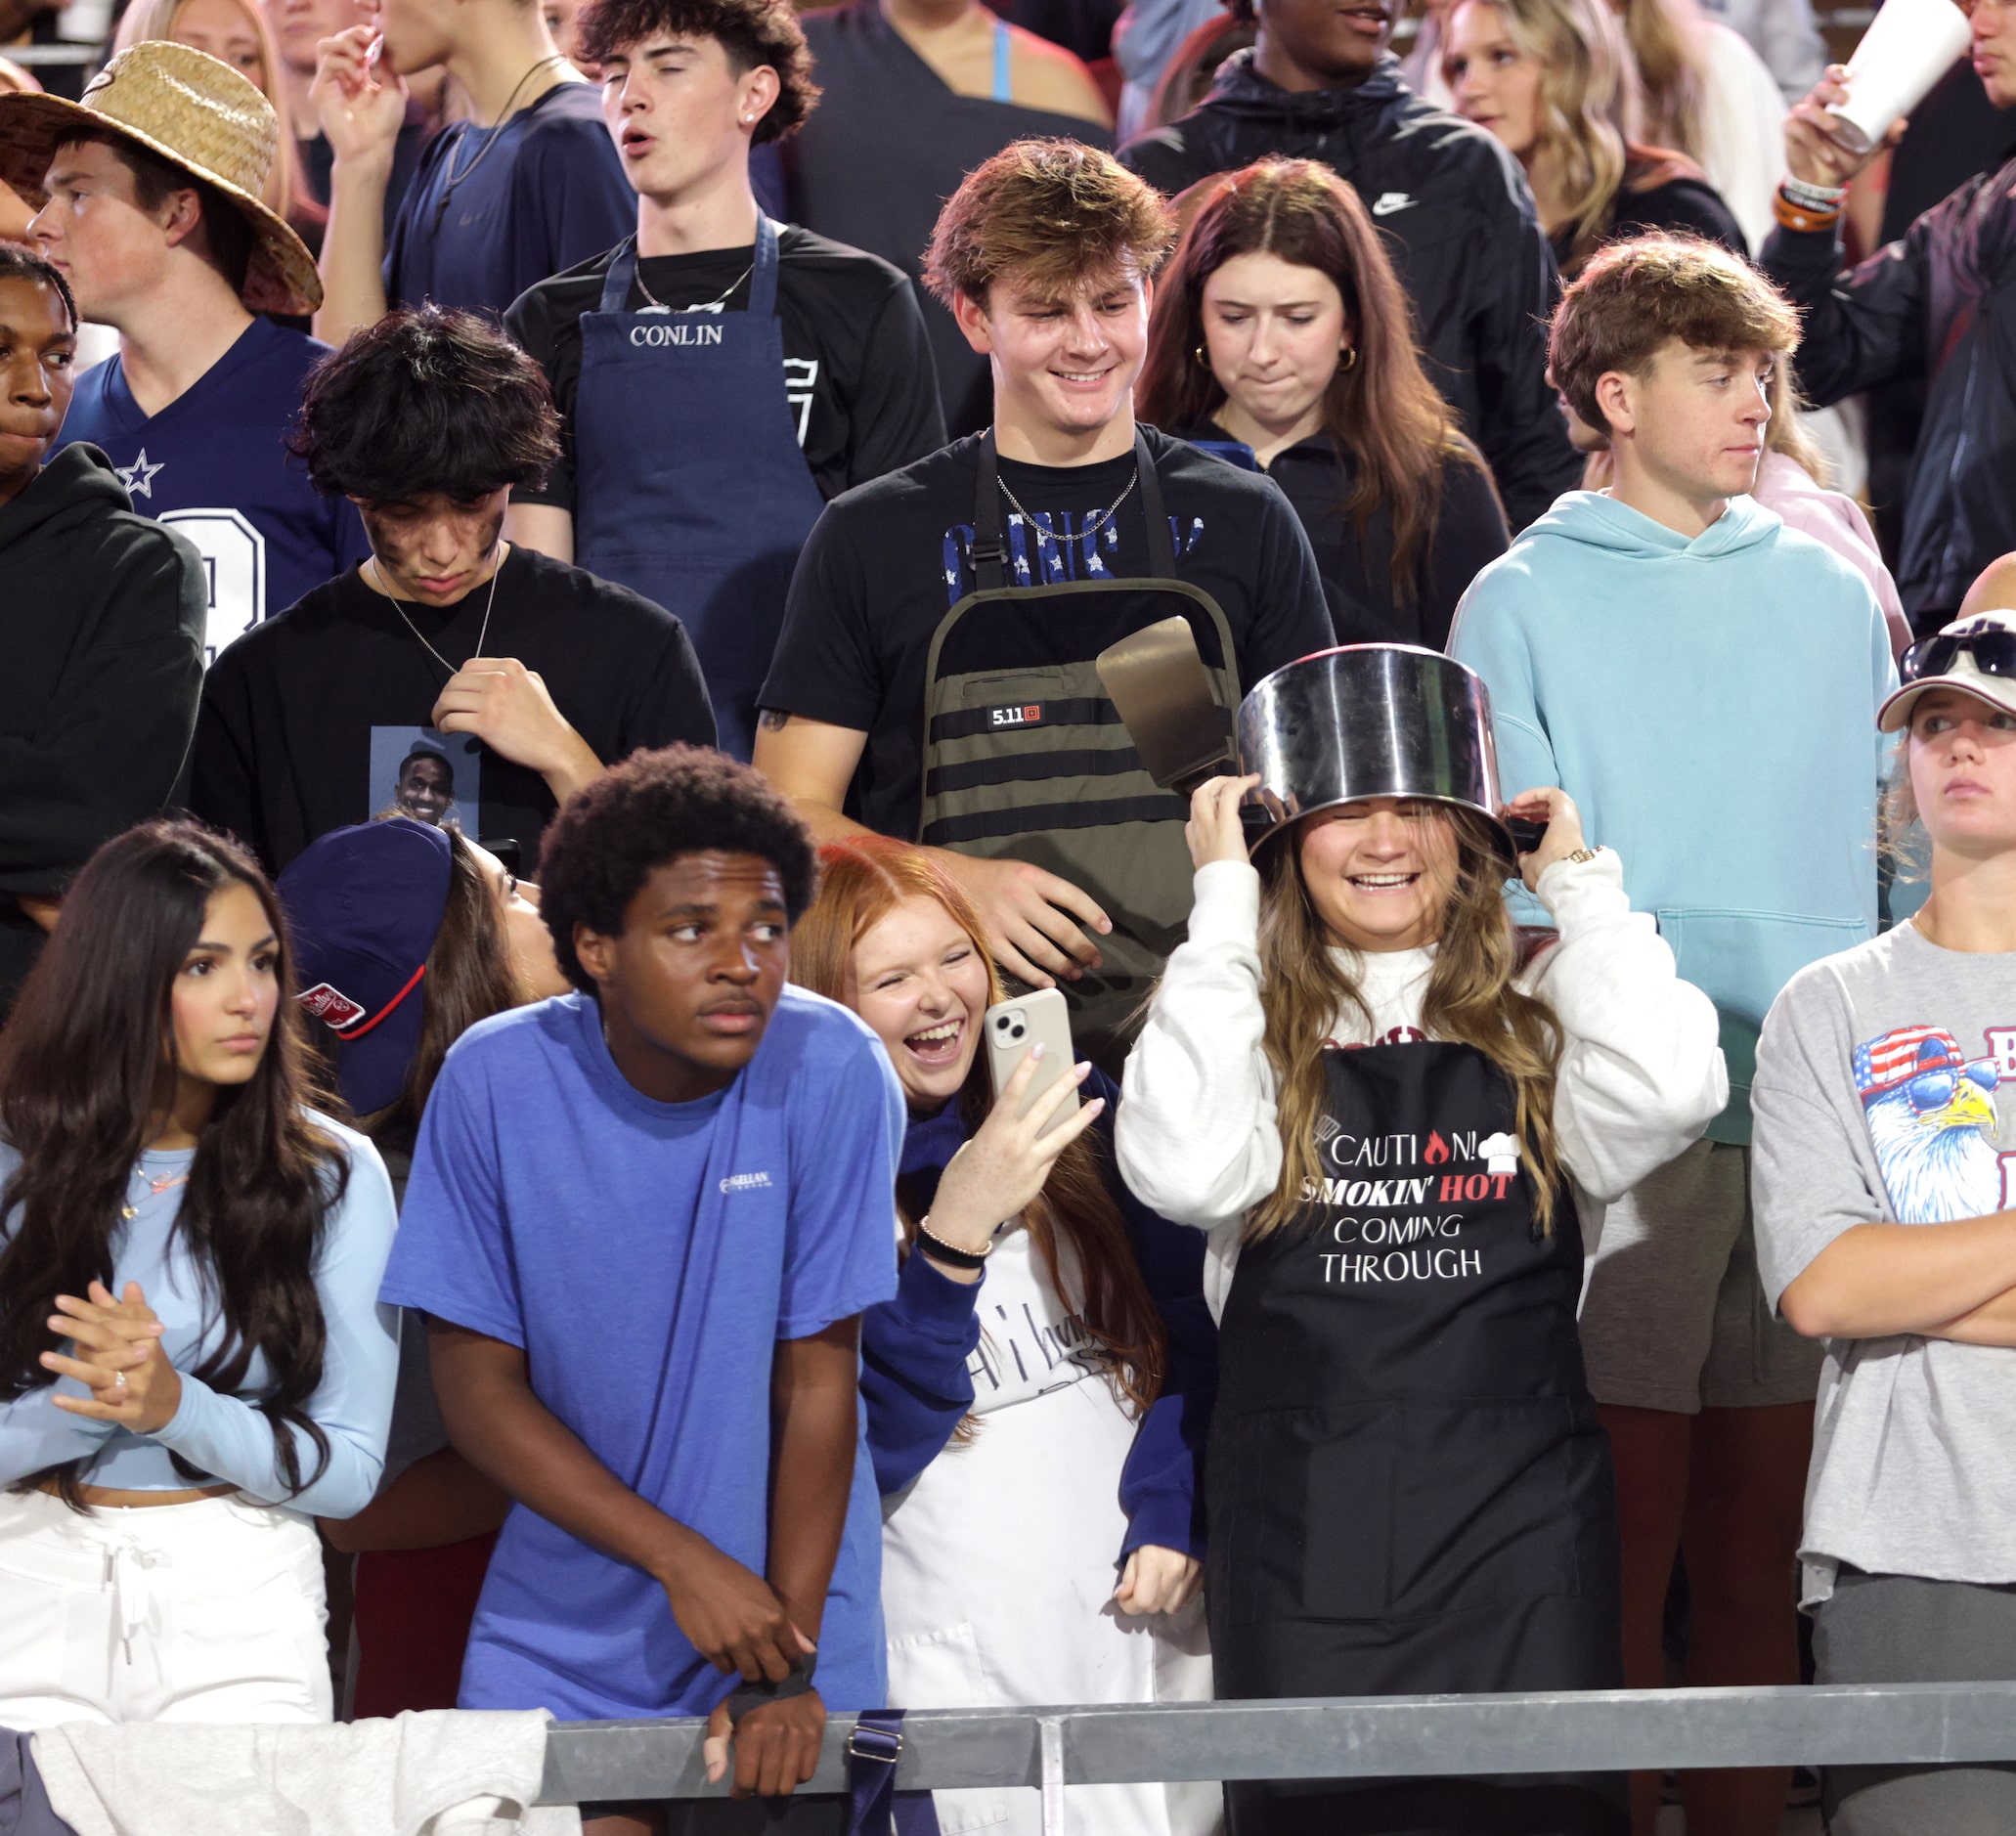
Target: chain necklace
(155, 1187)
(652, 303)
(1093, 524)
(454, 178)
(385, 584)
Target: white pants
(209, 1611)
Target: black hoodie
(101, 615)
(1458, 223)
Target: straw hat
(194, 111)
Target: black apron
(887, 146)
(1026, 756)
(1408, 1489)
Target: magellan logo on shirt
(1024, 713)
(746, 1182)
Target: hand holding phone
(998, 1173)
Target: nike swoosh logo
(1389, 201)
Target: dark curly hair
(427, 401)
(654, 806)
(750, 31)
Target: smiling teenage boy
(936, 677)
(644, 1219)
(1702, 680)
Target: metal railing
(1385, 1736)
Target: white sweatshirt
(1640, 1077)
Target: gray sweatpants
(1882, 1628)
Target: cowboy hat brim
(281, 276)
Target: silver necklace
(1093, 524)
(652, 303)
(481, 635)
(454, 178)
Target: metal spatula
(1158, 681)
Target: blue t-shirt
(646, 1256)
(214, 464)
(540, 193)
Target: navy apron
(1408, 1490)
(691, 488)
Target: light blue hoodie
(1711, 706)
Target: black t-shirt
(318, 718)
(1357, 565)
(858, 369)
(885, 563)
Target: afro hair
(638, 815)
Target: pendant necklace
(1093, 524)
(155, 1188)
(385, 583)
(653, 304)
(456, 179)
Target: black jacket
(1939, 304)
(1357, 565)
(1458, 223)
(101, 615)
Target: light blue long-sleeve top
(1710, 704)
(225, 1435)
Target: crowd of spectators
(565, 577)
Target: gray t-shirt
(1879, 1101)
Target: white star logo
(139, 477)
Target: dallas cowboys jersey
(214, 464)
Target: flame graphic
(1436, 1152)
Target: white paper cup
(1910, 44)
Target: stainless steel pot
(1369, 720)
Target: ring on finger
(119, 1379)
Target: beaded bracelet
(935, 1247)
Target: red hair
(862, 880)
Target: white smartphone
(1012, 1028)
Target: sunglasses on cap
(1994, 651)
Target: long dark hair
(863, 879)
(82, 1064)
(1381, 412)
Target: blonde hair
(1472, 999)
(286, 192)
(1664, 35)
(1786, 433)
(1586, 82)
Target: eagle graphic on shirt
(1932, 1119)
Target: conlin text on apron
(1026, 757)
(691, 486)
(1408, 1489)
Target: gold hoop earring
(1202, 360)
(1349, 360)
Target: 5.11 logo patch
(1024, 713)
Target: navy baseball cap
(363, 905)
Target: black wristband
(935, 1247)
(753, 1696)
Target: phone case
(1012, 1028)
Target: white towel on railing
(440, 1773)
